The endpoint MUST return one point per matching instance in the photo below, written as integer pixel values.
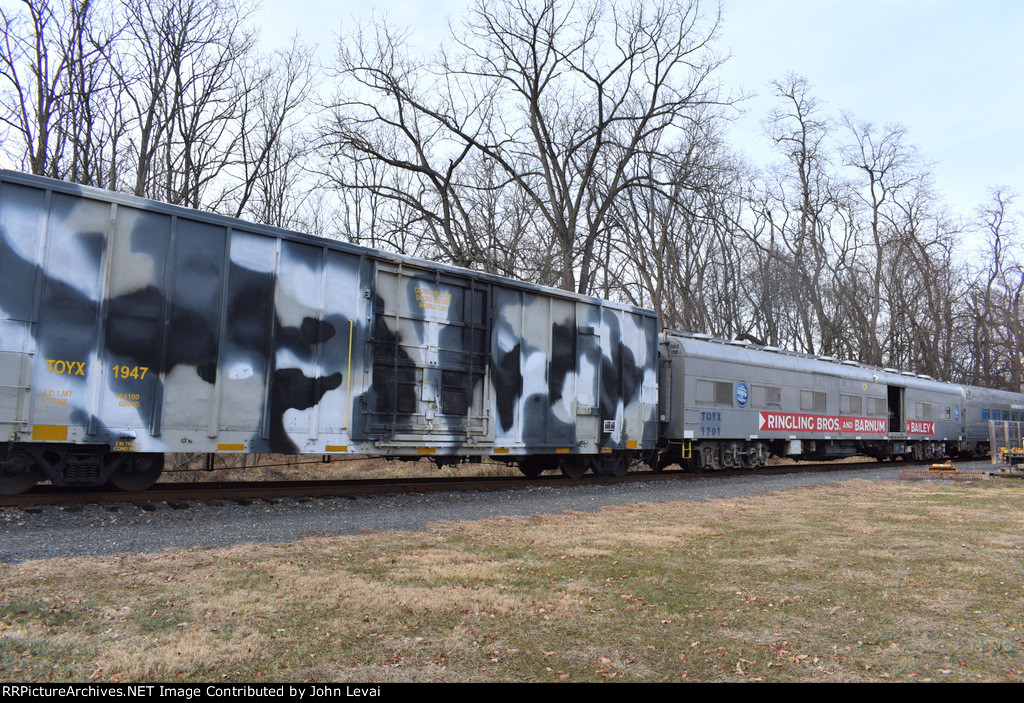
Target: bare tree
(384, 114)
(885, 168)
(923, 295)
(596, 86)
(798, 216)
(271, 150)
(560, 96)
(503, 221)
(57, 100)
(673, 245)
(995, 301)
(169, 100)
(187, 71)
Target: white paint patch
(239, 371)
(20, 227)
(286, 359)
(507, 339)
(256, 253)
(563, 409)
(133, 271)
(535, 374)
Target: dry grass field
(859, 582)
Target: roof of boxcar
(100, 194)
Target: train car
(982, 405)
(130, 329)
(732, 404)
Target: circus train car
(983, 406)
(130, 329)
(732, 404)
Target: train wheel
(18, 474)
(574, 466)
(614, 464)
(749, 459)
(706, 457)
(691, 465)
(138, 473)
(533, 466)
(655, 461)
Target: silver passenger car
(131, 328)
(985, 405)
(732, 404)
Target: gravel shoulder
(53, 532)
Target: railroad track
(180, 494)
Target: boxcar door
(429, 358)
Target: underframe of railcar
(609, 463)
(716, 455)
(23, 465)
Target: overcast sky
(950, 71)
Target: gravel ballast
(95, 530)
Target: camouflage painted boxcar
(131, 328)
